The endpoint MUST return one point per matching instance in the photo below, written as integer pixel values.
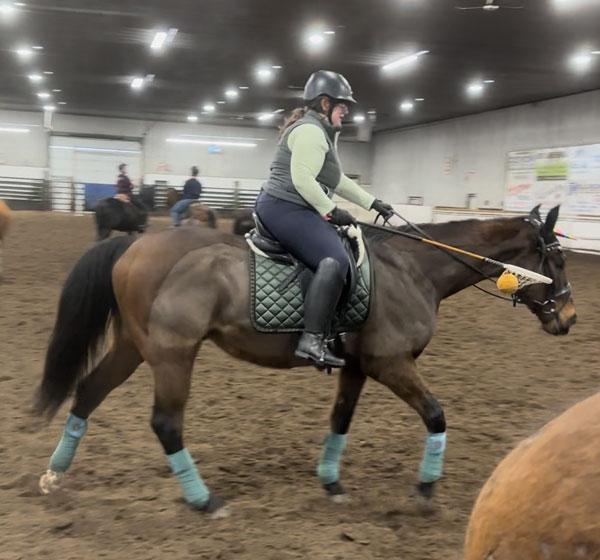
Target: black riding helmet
(331, 84)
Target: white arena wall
(440, 163)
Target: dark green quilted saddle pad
(278, 308)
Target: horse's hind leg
(172, 387)
(350, 384)
(115, 368)
(401, 376)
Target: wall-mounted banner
(568, 176)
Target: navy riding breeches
(300, 230)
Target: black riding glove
(383, 208)
(340, 217)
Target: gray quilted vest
(280, 183)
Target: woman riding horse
(295, 204)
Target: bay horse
(168, 292)
(5, 219)
(197, 213)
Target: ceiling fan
(489, 6)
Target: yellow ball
(508, 283)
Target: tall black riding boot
(319, 308)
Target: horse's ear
(551, 219)
(535, 212)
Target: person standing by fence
(191, 193)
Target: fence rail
(232, 198)
(63, 193)
(24, 194)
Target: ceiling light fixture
(403, 61)
(49, 108)
(43, 95)
(232, 93)
(407, 106)
(35, 78)
(48, 72)
(62, 102)
(24, 53)
(94, 150)
(419, 99)
(264, 74)
(488, 81)
(359, 118)
(192, 118)
(475, 89)
(56, 90)
(276, 67)
(265, 116)
(211, 142)
(162, 39)
(137, 83)
(15, 130)
(581, 61)
(208, 108)
(37, 48)
(316, 40)
(159, 40)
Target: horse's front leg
(401, 376)
(350, 384)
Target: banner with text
(567, 176)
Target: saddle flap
(277, 293)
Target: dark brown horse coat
(168, 292)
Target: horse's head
(551, 303)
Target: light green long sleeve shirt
(309, 146)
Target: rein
(440, 246)
(544, 249)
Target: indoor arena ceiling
(464, 60)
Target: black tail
(85, 305)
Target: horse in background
(543, 499)
(243, 221)
(197, 213)
(118, 213)
(5, 219)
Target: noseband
(548, 306)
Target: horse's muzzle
(563, 322)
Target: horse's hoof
(49, 482)
(425, 490)
(216, 507)
(336, 493)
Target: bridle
(546, 308)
